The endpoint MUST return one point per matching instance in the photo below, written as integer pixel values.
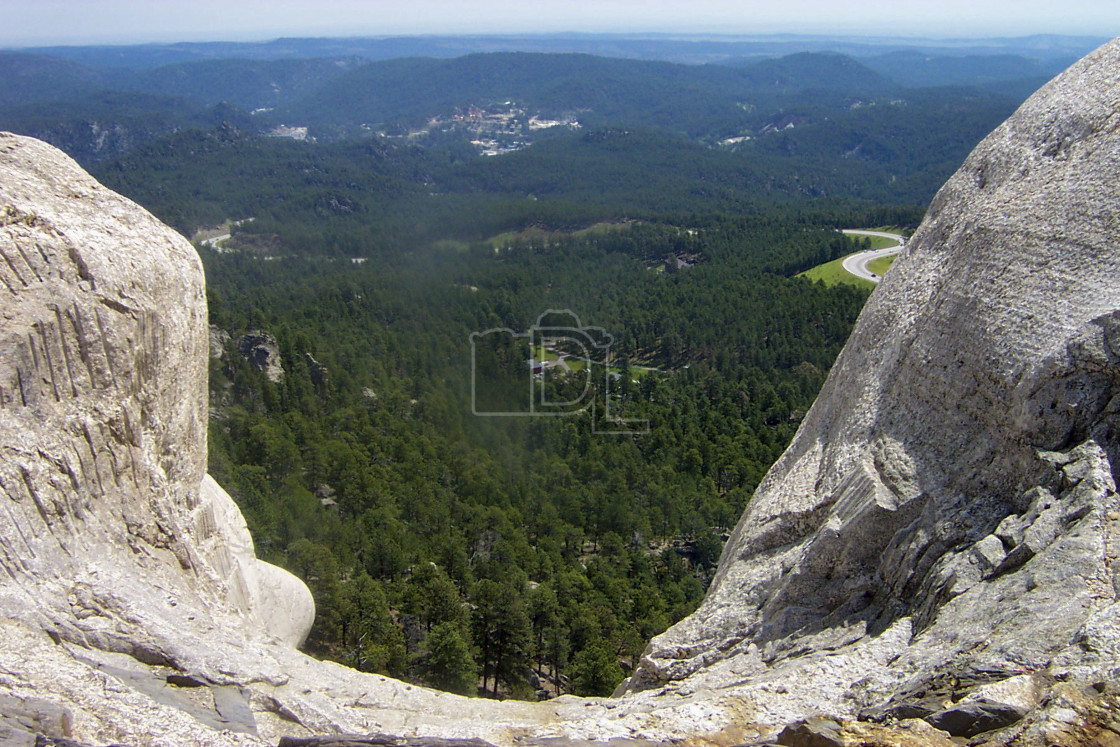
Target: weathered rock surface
(103, 416)
(378, 740)
(261, 349)
(277, 602)
(22, 718)
(816, 732)
(942, 535)
(103, 433)
(218, 339)
(113, 539)
(975, 717)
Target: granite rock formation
(935, 554)
(261, 349)
(103, 395)
(114, 538)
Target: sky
(46, 22)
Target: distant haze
(49, 22)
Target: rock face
(260, 349)
(103, 431)
(103, 394)
(276, 602)
(218, 339)
(938, 547)
(949, 504)
(113, 536)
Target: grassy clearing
(579, 365)
(541, 354)
(211, 232)
(881, 265)
(533, 233)
(599, 229)
(833, 273)
(502, 240)
(638, 373)
(881, 242)
(451, 245)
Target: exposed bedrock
(112, 537)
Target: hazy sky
(26, 22)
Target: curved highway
(856, 264)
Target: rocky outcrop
(276, 602)
(219, 338)
(114, 539)
(936, 551)
(949, 504)
(104, 434)
(262, 350)
(103, 452)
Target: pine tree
(595, 670)
(503, 634)
(446, 661)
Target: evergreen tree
(446, 660)
(595, 670)
(372, 640)
(431, 596)
(503, 635)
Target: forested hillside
(506, 101)
(517, 543)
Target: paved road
(856, 264)
(213, 243)
(216, 241)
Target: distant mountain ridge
(28, 78)
(611, 89)
(58, 100)
(823, 70)
(913, 69)
(808, 124)
(247, 84)
(691, 49)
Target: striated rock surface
(103, 423)
(949, 504)
(114, 539)
(937, 550)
